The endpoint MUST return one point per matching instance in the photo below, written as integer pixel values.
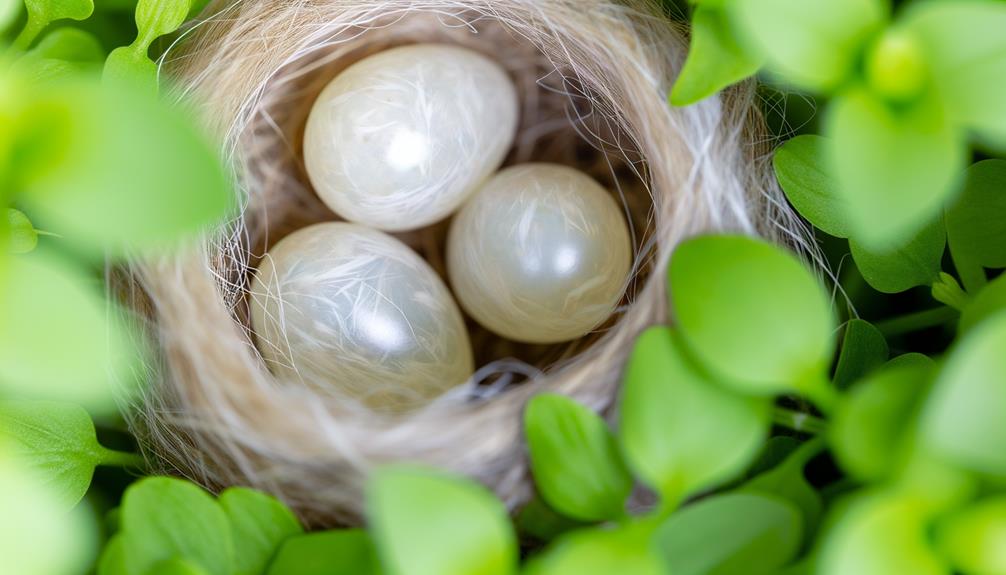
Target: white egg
(400, 139)
(354, 312)
(541, 254)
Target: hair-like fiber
(593, 77)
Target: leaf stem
(798, 421)
(31, 30)
(916, 321)
(114, 458)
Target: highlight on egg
(400, 139)
(541, 254)
(353, 312)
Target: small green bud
(946, 290)
(896, 67)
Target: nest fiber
(592, 76)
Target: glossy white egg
(400, 139)
(541, 254)
(352, 311)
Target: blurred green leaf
(9, 11)
(58, 441)
(753, 313)
(131, 68)
(110, 185)
(259, 524)
(715, 59)
(895, 168)
(113, 557)
(624, 549)
(974, 538)
(896, 66)
(39, 536)
(871, 428)
(22, 236)
(947, 291)
(425, 523)
(976, 223)
(575, 460)
(774, 452)
(788, 481)
(165, 518)
(70, 44)
(880, 534)
(813, 45)
(680, 432)
(915, 263)
(541, 522)
(965, 46)
(731, 533)
(963, 417)
(800, 168)
(176, 566)
(987, 303)
(863, 349)
(42, 12)
(57, 339)
(340, 552)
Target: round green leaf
(976, 223)
(425, 523)
(813, 45)
(751, 312)
(22, 237)
(624, 550)
(974, 538)
(259, 524)
(112, 185)
(541, 522)
(155, 18)
(176, 566)
(987, 303)
(71, 45)
(800, 168)
(165, 518)
(575, 460)
(880, 534)
(680, 432)
(788, 481)
(715, 59)
(57, 338)
(863, 349)
(963, 416)
(745, 533)
(341, 552)
(895, 168)
(42, 12)
(915, 263)
(868, 431)
(130, 68)
(965, 47)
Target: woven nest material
(593, 77)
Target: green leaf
(111, 185)
(42, 12)
(165, 518)
(58, 339)
(259, 524)
(543, 523)
(39, 536)
(787, 480)
(976, 223)
(425, 523)
(575, 460)
(71, 45)
(966, 50)
(800, 168)
(22, 237)
(869, 432)
(176, 566)
(680, 432)
(155, 18)
(863, 349)
(895, 168)
(974, 538)
(813, 45)
(752, 312)
(9, 11)
(987, 303)
(624, 549)
(915, 263)
(342, 552)
(880, 534)
(58, 441)
(715, 59)
(731, 533)
(113, 557)
(130, 68)
(962, 418)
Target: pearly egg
(352, 311)
(541, 254)
(400, 139)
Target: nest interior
(592, 77)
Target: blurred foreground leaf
(340, 552)
(976, 223)
(624, 549)
(259, 524)
(974, 538)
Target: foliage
(790, 419)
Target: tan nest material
(593, 77)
